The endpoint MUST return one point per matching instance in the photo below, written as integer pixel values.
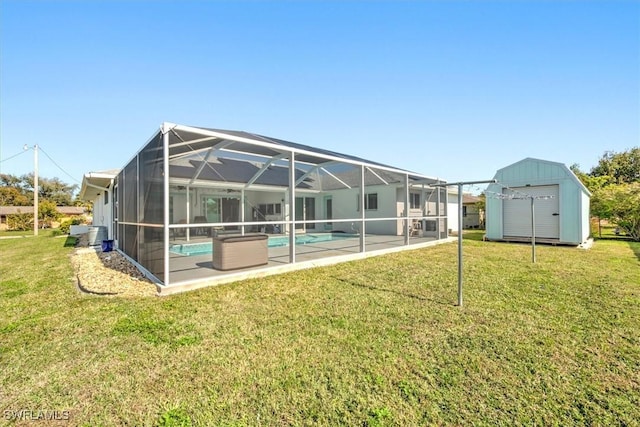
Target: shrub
(20, 222)
(65, 227)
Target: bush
(65, 227)
(20, 222)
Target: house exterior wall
(103, 212)
(573, 198)
(345, 205)
(452, 213)
(472, 217)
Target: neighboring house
(472, 215)
(561, 204)
(188, 184)
(68, 211)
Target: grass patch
(372, 342)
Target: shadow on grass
(476, 235)
(393, 291)
(70, 242)
(635, 247)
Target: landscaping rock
(109, 273)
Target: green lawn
(371, 342)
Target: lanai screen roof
(191, 148)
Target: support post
(362, 211)
(460, 219)
(292, 208)
(35, 190)
(242, 211)
(188, 212)
(165, 182)
(407, 225)
(533, 231)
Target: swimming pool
(192, 249)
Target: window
(269, 209)
(414, 201)
(106, 197)
(464, 211)
(370, 202)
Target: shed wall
(573, 201)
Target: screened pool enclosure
(189, 186)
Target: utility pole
(35, 190)
(35, 187)
(460, 219)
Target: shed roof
(560, 166)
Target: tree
(47, 213)
(18, 190)
(481, 205)
(13, 191)
(11, 196)
(621, 167)
(593, 183)
(620, 203)
(615, 186)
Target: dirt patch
(109, 274)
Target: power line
(58, 166)
(15, 155)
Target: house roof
(243, 158)
(187, 139)
(95, 183)
(469, 198)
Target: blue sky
(455, 90)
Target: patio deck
(196, 271)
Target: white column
(407, 225)
(188, 212)
(292, 208)
(165, 164)
(362, 212)
(242, 211)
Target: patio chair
(416, 228)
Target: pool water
(192, 249)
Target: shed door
(517, 212)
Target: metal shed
(561, 204)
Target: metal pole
(460, 217)
(533, 231)
(362, 211)
(407, 225)
(165, 208)
(460, 245)
(188, 212)
(35, 190)
(292, 208)
(242, 201)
